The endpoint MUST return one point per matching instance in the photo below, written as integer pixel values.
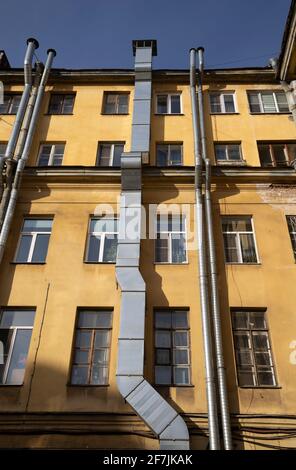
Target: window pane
(118, 149)
(105, 155)
(104, 224)
(24, 248)
(248, 248)
(181, 356)
(215, 103)
(102, 338)
(264, 154)
(94, 249)
(163, 375)
(68, 104)
(266, 378)
(81, 356)
(18, 360)
(99, 375)
(163, 319)
(83, 339)
(242, 341)
(175, 154)
(17, 318)
(263, 359)
(123, 104)
(246, 376)
(5, 338)
(175, 104)
(279, 155)
(180, 319)
(254, 102)
(257, 320)
(163, 356)
(110, 249)
(2, 149)
(291, 151)
(244, 358)
(37, 225)
(101, 356)
(282, 102)
(110, 103)
(79, 375)
(180, 338)
(94, 319)
(40, 248)
(240, 320)
(161, 250)
(181, 375)
(5, 105)
(234, 152)
(162, 155)
(162, 104)
(16, 99)
(231, 252)
(44, 155)
(260, 341)
(163, 339)
(268, 103)
(229, 103)
(55, 104)
(178, 248)
(220, 152)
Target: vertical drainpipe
(25, 154)
(216, 316)
(149, 405)
(32, 46)
(202, 266)
(11, 162)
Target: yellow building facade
(41, 405)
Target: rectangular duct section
(149, 405)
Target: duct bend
(32, 44)
(25, 154)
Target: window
(15, 336)
(170, 243)
(91, 353)
(268, 102)
(228, 152)
(172, 350)
(3, 146)
(116, 103)
(51, 154)
(102, 240)
(11, 103)
(169, 154)
(109, 154)
(61, 103)
(222, 103)
(239, 240)
(34, 240)
(276, 154)
(291, 220)
(169, 103)
(252, 349)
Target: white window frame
(62, 104)
(33, 241)
(169, 103)
(222, 102)
(168, 160)
(169, 233)
(102, 236)
(111, 156)
(9, 355)
(271, 146)
(52, 152)
(266, 92)
(226, 145)
(10, 104)
(237, 240)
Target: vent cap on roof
(145, 43)
(4, 63)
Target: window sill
(170, 264)
(115, 114)
(260, 387)
(87, 385)
(7, 114)
(112, 263)
(224, 114)
(169, 114)
(15, 262)
(58, 114)
(12, 385)
(232, 162)
(270, 114)
(243, 264)
(172, 386)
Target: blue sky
(98, 33)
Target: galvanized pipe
(25, 154)
(216, 316)
(202, 262)
(32, 45)
(11, 163)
